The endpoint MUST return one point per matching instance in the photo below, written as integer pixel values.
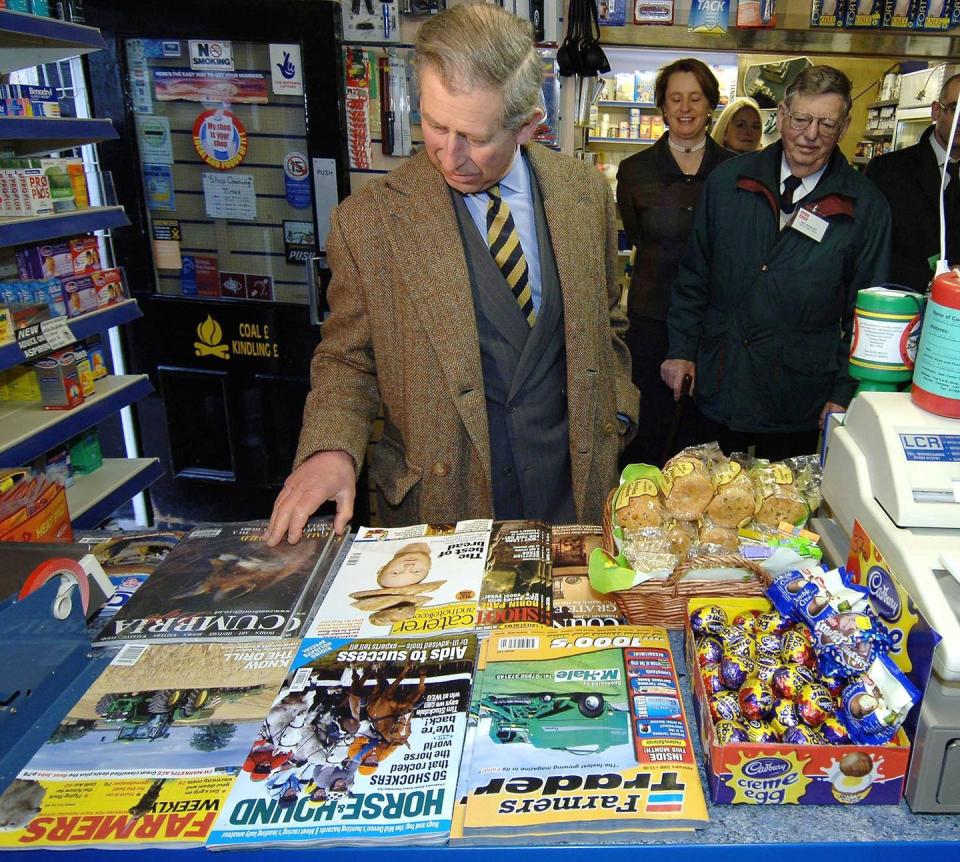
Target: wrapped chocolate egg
(788, 679)
(766, 667)
(756, 699)
(710, 619)
(760, 731)
(768, 643)
(711, 678)
(783, 715)
(732, 635)
(796, 649)
(724, 705)
(834, 731)
(746, 621)
(814, 704)
(833, 684)
(709, 650)
(773, 622)
(743, 648)
(730, 731)
(735, 670)
(803, 735)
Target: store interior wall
(865, 73)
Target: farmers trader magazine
(581, 733)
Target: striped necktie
(504, 242)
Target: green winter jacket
(767, 314)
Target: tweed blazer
(402, 335)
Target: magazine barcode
(205, 534)
(510, 644)
(300, 679)
(129, 655)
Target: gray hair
(820, 81)
(480, 46)
(946, 86)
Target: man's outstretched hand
(324, 476)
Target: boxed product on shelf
(25, 190)
(20, 384)
(59, 381)
(25, 100)
(777, 773)
(84, 370)
(85, 454)
(97, 356)
(75, 256)
(33, 509)
(6, 323)
(110, 286)
(56, 466)
(86, 293)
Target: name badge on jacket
(810, 224)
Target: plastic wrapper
(735, 500)
(874, 704)
(648, 551)
(717, 540)
(848, 643)
(783, 498)
(638, 503)
(681, 537)
(690, 485)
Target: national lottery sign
(220, 138)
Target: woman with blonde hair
(740, 126)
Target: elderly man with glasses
(762, 309)
(910, 179)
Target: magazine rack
(47, 665)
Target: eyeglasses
(826, 127)
(949, 108)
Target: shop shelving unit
(26, 429)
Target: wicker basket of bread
(685, 525)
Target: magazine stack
(222, 582)
(580, 736)
(517, 588)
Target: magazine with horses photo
(362, 746)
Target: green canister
(886, 327)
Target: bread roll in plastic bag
(689, 486)
(735, 499)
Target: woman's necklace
(680, 149)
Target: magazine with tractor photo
(148, 753)
(361, 746)
(580, 735)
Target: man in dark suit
(910, 181)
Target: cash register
(896, 469)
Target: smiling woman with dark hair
(657, 191)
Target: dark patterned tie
(790, 185)
(504, 242)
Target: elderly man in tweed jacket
(497, 402)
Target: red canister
(936, 377)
